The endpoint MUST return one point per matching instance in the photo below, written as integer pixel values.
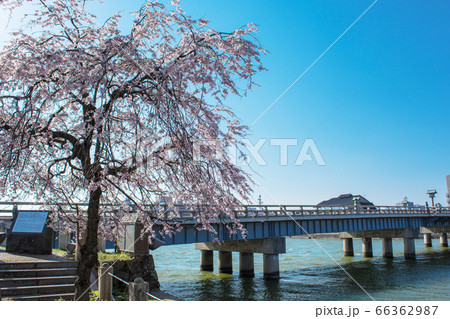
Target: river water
(309, 273)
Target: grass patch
(102, 257)
(113, 256)
(59, 251)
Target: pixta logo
(253, 151)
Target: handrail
(280, 207)
(118, 278)
(150, 295)
(182, 212)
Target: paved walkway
(14, 258)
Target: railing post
(105, 282)
(136, 290)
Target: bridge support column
(269, 247)
(367, 247)
(387, 248)
(206, 260)
(225, 262)
(409, 248)
(427, 240)
(271, 266)
(348, 247)
(444, 240)
(246, 265)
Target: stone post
(225, 262)
(206, 260)
(63, 240)
(81, 240)
(444, 240)
(246, 265)
(15, 211)
(105, 282)
(271, 266)
(141, 247)
(387, 248)
(101, 244)
(427, 240)
(409, 248)
(136, 290)
(367, 247)
(348, 247)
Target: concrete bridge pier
(269, 247)
(246, 265)
(442, 230)
(225, 262)
(388, 252)
(367, 247)
(271, 266)
(444, 240)
(409, 248)
(207, 260)
(408, 235)
(348, 247)
(427, 240)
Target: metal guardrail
(251, 211)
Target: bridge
(267, 227)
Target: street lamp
(432, 193)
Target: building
(406, 203)
(346, 200)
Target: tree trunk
(88, 251)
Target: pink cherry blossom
(90, 114)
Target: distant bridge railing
(250, 211)
(308, 210)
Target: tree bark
(88, 251)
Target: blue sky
(376, 104)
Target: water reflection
(272, 289)
(247, 291)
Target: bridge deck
(270, 221)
